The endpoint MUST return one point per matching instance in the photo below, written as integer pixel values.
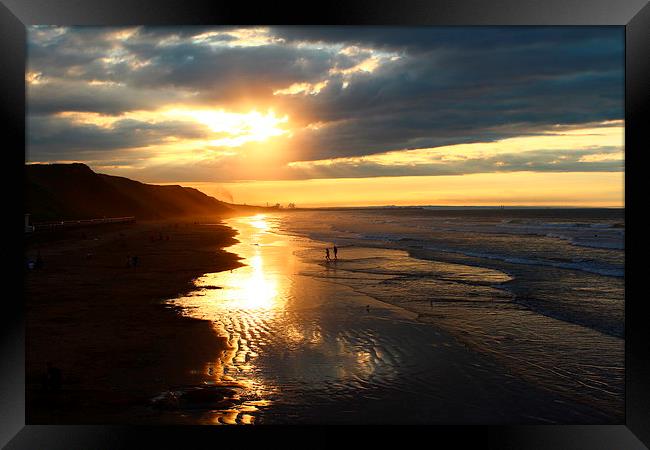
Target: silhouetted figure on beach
(53, 378)
(367, 308)
(336, 251)
(327, 254)
(135, 261)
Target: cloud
(532, 161)
(61, 138)
(348, 91)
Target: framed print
(239, 222)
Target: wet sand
(302, 348)
(273, 339)
(103, 325)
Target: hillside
(74, 191)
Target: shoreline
(105, 325)
(117, 355)
(359, 343)
(503, 336)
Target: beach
(275, 225)
(244, 321)
(350, 341)
(102, 324)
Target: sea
(426, 315)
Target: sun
(236, 129)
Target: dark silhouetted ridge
(74, 191)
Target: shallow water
(313, 342)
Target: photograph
(324, 225)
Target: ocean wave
(610, 236)
(572, 265)
(579, 234)
(612, 244)
(388, 237)
(536, 223)
(614, 239)
(581, 266)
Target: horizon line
(435, 206)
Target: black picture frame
(634, 15)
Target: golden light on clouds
(105, 83)
(368, 65)
(102, 120)
(242, 37)
(124, 34)
(302, 88)
(597, 157)
(608, 134)
(34, 78)
(238, 128)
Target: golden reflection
(248, 287)
(257, 289)
(260, 222)
(277, 325)
(252, 287)
(240, 303)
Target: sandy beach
(102, 323)
(212, 329)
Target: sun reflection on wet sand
(240, 303)
(268, 309)
(248, 287)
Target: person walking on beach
(327, 254)
(336, 250)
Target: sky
(346, 116)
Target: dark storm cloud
(416, 39)
(431, 86)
